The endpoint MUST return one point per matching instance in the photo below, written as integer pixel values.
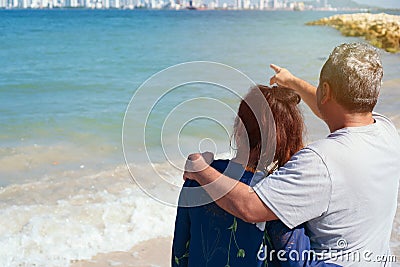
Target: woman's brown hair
(255, 115)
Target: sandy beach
(157, 253)
(151, 253)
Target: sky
(381, 3)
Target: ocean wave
(54, 221)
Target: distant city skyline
(169, 4)
(178, 4)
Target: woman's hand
(196, 163)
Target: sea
(100, 108)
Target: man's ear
(326, 93)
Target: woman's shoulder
(235, 170)
(220, 164)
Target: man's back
(363, 165)
(344, 188)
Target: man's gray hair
(354, 72)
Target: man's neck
(345, 120)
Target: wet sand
(151, 253)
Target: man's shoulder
(320, 145)
(384, 121)
(334, 145)
(344, 137)
(308, 160)
(380, 117)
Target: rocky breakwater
(381, 30)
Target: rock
(381, 30)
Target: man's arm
(296, 193)
(306, 91)
(235, 197)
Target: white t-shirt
(344, 188)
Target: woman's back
(205, 235)
(216, 238)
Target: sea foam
(54, 221)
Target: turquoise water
(67, 76)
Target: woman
(206, 235)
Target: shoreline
(154, 252)
(150, 253)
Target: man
(343, 187)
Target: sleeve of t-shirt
(298, 191)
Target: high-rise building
(262, 4)
(81, 3)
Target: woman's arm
(306, 91)
(180, 245)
